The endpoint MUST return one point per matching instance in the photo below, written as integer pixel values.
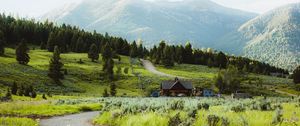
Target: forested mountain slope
(197, 21)
(273, 37)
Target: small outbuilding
(241, 95)
(176, 88)
(204, 92)
(208, 93)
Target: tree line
(167, 55)
(73, 39)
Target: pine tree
(296, 75)
(167, 58)
(108, 63)
(133, 50)
(14, 88)
(55, 67)
(93, 52)
(1, 43)
(188, 54)
(51, 42)
(21, 91)
(221, 60)
(219, 82)
(113, 90)
(22, 53)
(110, 69)
(140, 51)
(210, 63)
(79, 45)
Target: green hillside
(84, 78)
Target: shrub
(44, 97)
(126, 70)
(205, 106)
(225, 122)
(238, 108)
(85, 108)
(175, 121)
(177, 104)
(265, 106)
(192, 113)
(277, 118)
(187, 122)
(213, 120)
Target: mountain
(197, 21)
(273, 37)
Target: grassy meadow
(199, 112)
(83, 86)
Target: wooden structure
(176, 88)
(203, 92)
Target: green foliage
(108, 64)
(296, 75)
(175, 120)
(55, 67)
(44, 97)
(8, 94)
(113, 89)
(119, 72)
(16, 121)
(2, 42)
(105, 93)
(126, 70)
(22, 53)
(167, 58)
(213, 120)
(134, 50)
(14, 88)
(93, 53)
(278, 117)
(228, 80)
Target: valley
(150, 63)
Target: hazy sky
(35, 8)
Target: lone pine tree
(93, 53)
(108, 62)
(55, 67)
(22, 53)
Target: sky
(36, 8)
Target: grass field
(83, 85)
(192, 112)
(85, 79)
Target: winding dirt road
(81, 119)
(150, 67)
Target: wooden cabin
(176, 88)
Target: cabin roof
(172, 83)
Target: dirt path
(286, 93)
(150, 67)
(81, 119)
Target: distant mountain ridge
(197, 21)
(273, 37)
